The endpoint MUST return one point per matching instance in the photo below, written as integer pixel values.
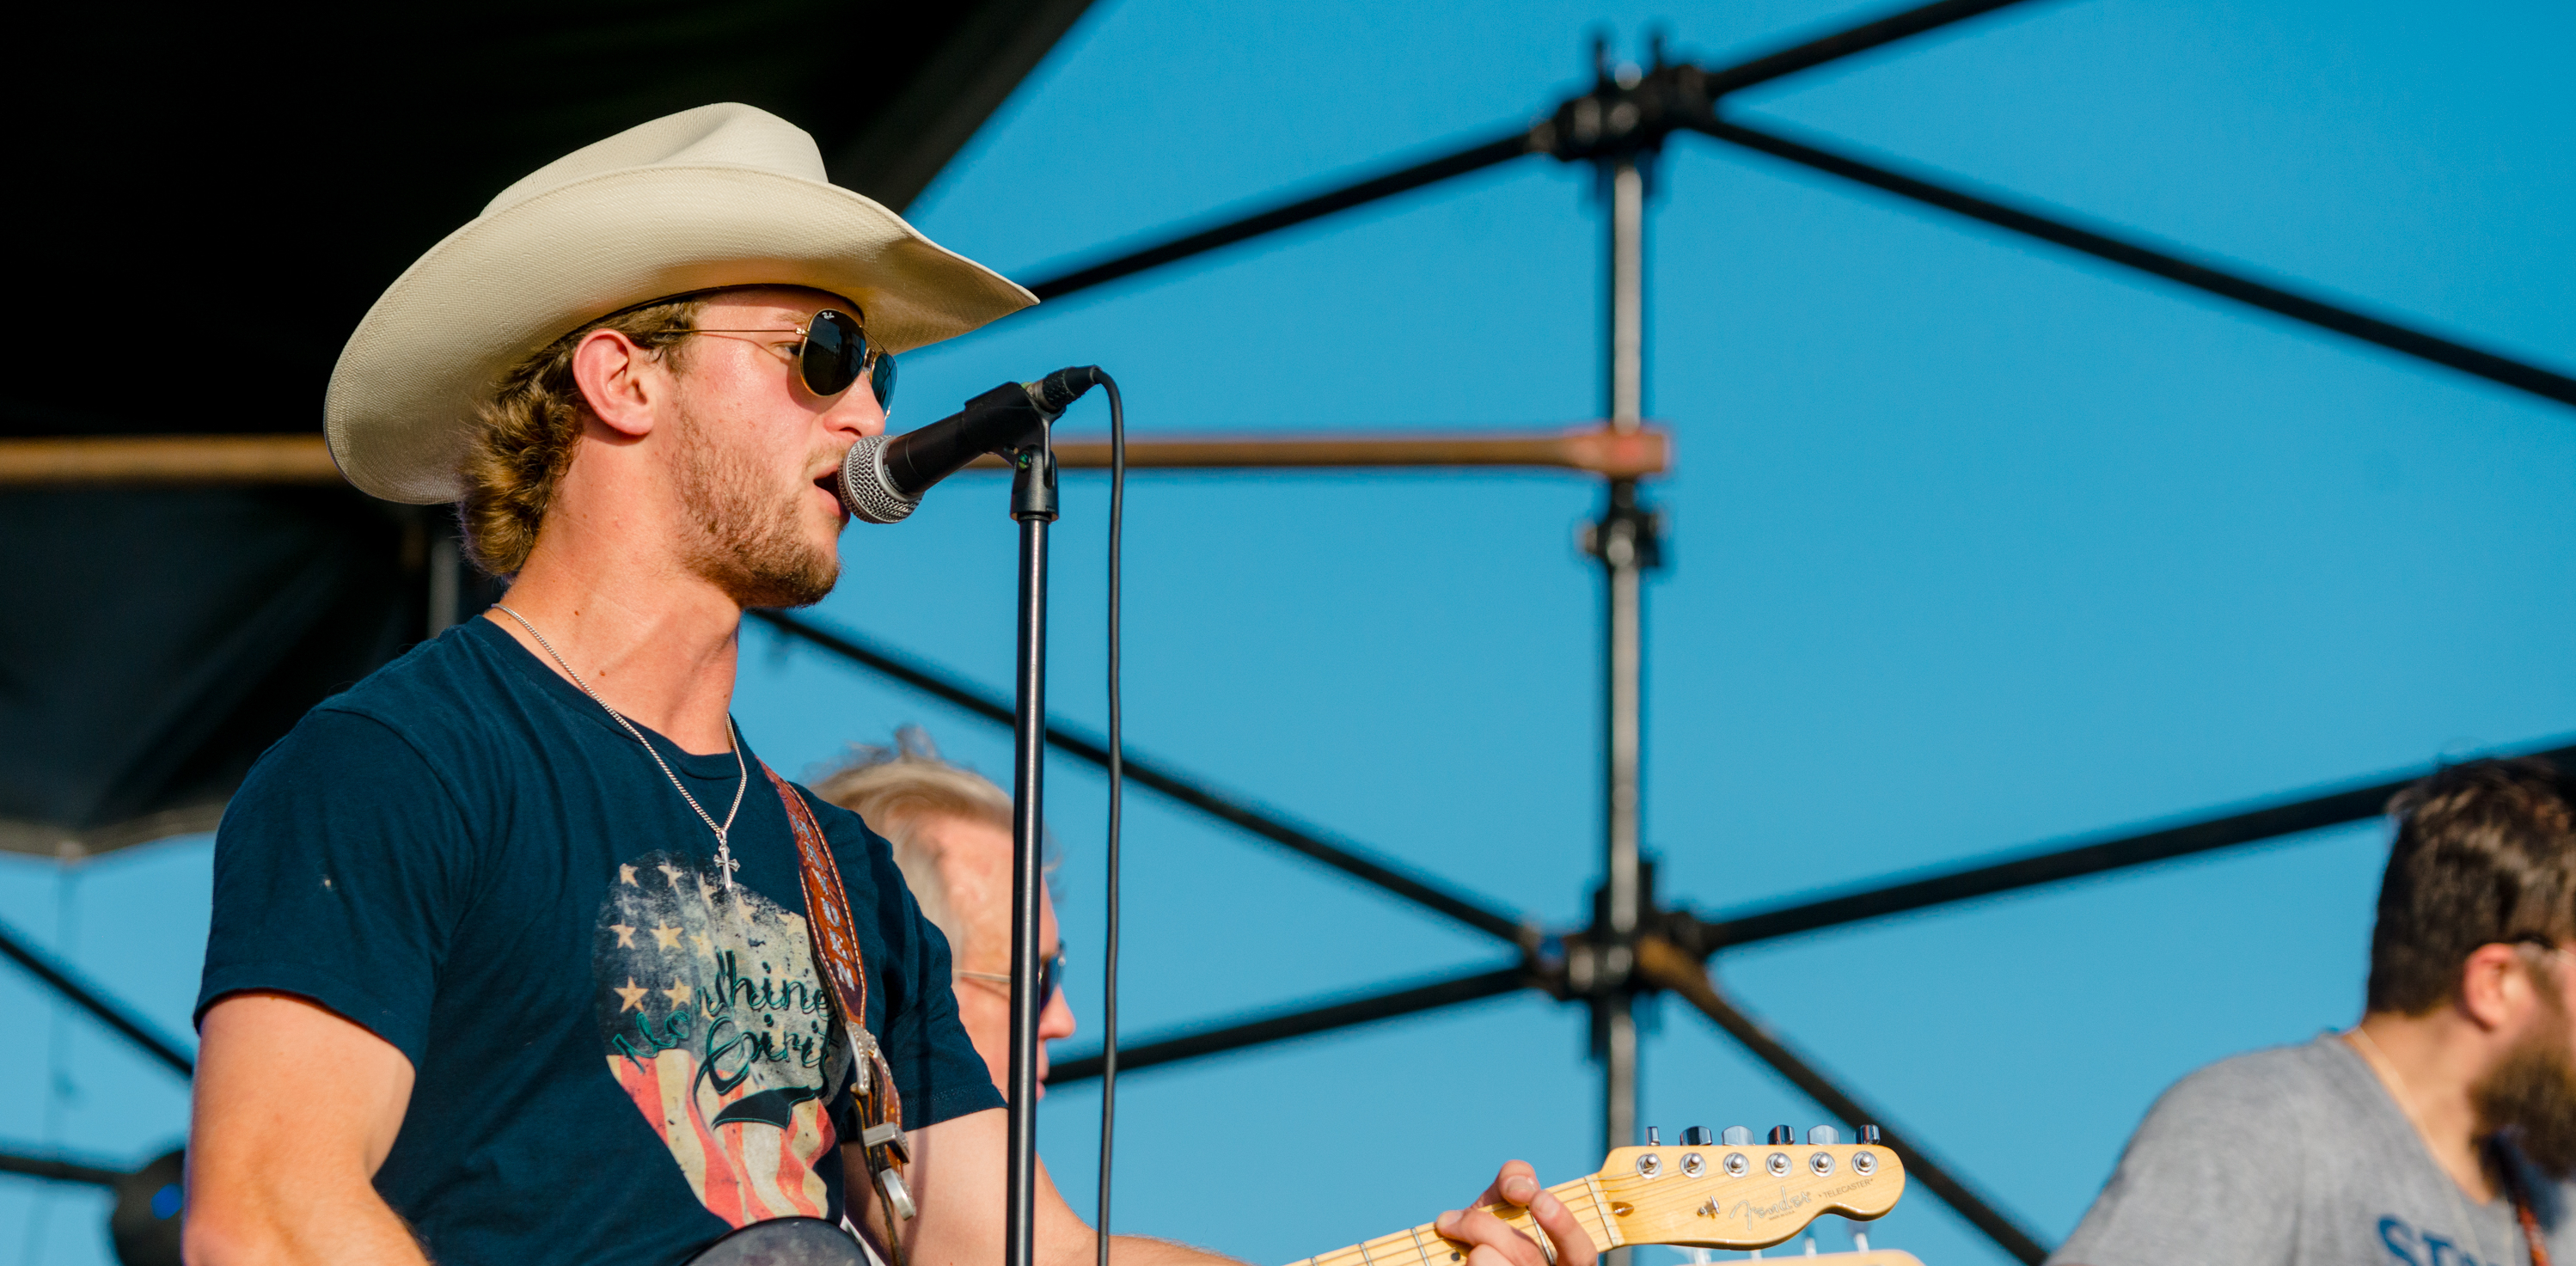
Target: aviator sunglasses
(1050, 977)
(832, 353)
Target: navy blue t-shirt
(616, 1056)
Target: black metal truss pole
(2351, 804)
(1550, 136)
(2544, 383)
(1303, 1022)
(90, 998)
(1676, 970)
(1349, 858)
(1844, 43)
(1475, 157)
(1623, 541)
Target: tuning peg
(1653, 1139)
(1696, 1136)
(1738, 1136)
(1869, 1135)
(1823, 1135)
(1783, 1134)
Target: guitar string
(1520, 1220)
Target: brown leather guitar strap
(836, 955)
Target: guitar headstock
(1743, 1195)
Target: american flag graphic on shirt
(718, 1029)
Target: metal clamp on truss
(1629, 110)
(1626, 534)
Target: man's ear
(2494, 987)
(621, 382)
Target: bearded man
(518, 954)
(2441, 1129)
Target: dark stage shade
(220, 194)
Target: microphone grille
(866, 490)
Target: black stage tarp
(204, 203)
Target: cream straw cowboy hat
(723, 195)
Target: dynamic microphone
(883, 476)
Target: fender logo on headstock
(1753, 1213)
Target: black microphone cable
(1117, 794)
(873, 498)
(1053, 394)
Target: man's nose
(856, 414)
(1056, 1020)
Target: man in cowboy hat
(518, 954)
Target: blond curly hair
(531, 426)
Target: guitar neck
(1700, 1194)
(1422, 1246)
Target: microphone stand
(1033, 504)
(1016, 421)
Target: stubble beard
(749, 540)
(2530, 1096)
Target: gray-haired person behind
(2438, 1131)
(951, 831)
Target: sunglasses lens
(881, 380)
(835, 347)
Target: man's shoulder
(2274, 1084)
(431, 703)
(2221, 1166)
(425, 681)
(2273, 1067)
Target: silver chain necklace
(725, 864)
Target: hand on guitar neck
(1515, 1223)
(1698, 1194)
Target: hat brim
(401, 409)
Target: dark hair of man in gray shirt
(2441, 1129)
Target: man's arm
(958, 1184)
(295, 1108)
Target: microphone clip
(1033, 480)
(1033, 460)
(1019, 429)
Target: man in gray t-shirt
(2297, 1155)
(2441, 1130)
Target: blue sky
(1976, 545)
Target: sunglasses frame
(876, 365)
(1050, 977)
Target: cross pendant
(725, 863)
